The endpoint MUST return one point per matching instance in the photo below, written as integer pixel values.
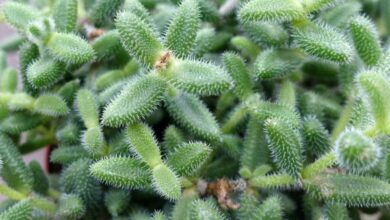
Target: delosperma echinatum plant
(196, 109)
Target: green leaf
(188, 158)
(70, 207)
(271, 10)
(263, 110)
(14, 172)
(93, 140)
(41, 183)
(123, 172)
(103, 11)
(9, 80)
(366, 40)
(204, 42)
(274, 64)
(18, 122)
(271, 209)
(199, 78)
(238, 71)
(88, 108)
(138, 99)
(45, 72)
(68, 91)
(182, 208)
(336, 212)
(67, 155)
(18, 15)
(65, 15)
(181, 33)
(266, 34)
(107, 45)
(191, 113)
(76, 179)
(51, 105)
(165, 182)
(144, 144)
(205, 210)
(377, 88)
(350, 190)
(173, 137)
(116, 201)
(255, 151)
(28, 53)
(20, 211)
(70, 48)
(138, 38)
(315, 136)
(285, 145)
(107, 95)
(315, 5)
(356, 152)
(324, 42)
(248, 205)
(68, 133)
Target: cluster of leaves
(196, 109)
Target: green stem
(235, 117)
(319, 165)
(343, 120)
(11, 193)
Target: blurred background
(5, 33)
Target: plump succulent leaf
(271, 208)
(28, 53)
(165, 182)
(205, 209)
(188, 157)
(65, 15)
(41, 183)
(263, 110)
(285, 145)
(240, 74)
(19, 122)
(315, 136)
(68, 91)
(19, 211)
(70, 207)
(76, 179)
(104, 10)
(271, 10)
(199, 78)
(336, 211)
(204, 42)
(248, 205)
(324, 42)
(350, 190)
(173, 137)
(67, 155)
(45, 72)
(18, 15)
(356, 152)
(138, 99)
(315, 5)
(273, 64)
(93, 140)
(88, 108)
(51, 105)
(70, 48)
(181, 33)
(116, 201)
(340, 15)
(255, 151)
(107, 44)
(366, 40)
(144, 144)
(138, 38)
(191, 113)
(182, 208)
(14, 171)
(266, 33)
(123, 172)
(376, 87)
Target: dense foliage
(196, 109)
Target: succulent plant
(196, 109)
